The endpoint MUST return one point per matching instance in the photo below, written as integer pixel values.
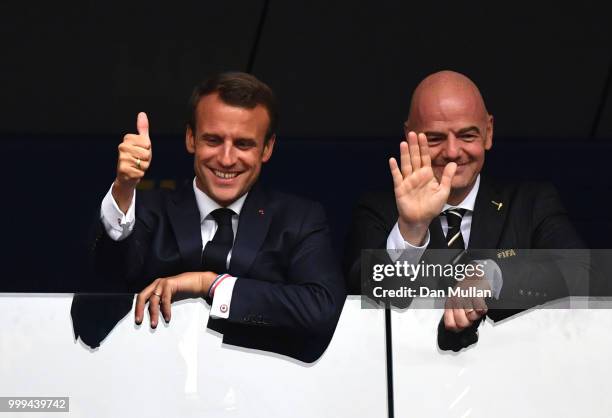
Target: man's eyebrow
(209, 135)
(434, 133)
(468, 129)
(246, 139)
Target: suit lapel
(489, 217)
(253, 225)
(185, 220)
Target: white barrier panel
(542, 363)
(183, 370)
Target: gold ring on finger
(138, 163)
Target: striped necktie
(454, 239)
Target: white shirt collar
(207, 205)
(470, 200)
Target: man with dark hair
(441, 201)
(263, 259)
(236, 89)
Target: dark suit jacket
(290, 290)
(531, 217)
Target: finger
(142, 124)
(461, 319)
(405, 159)
(139, 310)
(480, 306)
(472, 315)
(141, 300)
(140, 165)
(136, 140)
(131, 163)
(447, 175)
(127, 162)
(415, 152)
(135, 151)
(128, 171)
(166, 303)
(470, 310)
(424, 149)
(449, 320)
(154, 301)
(481, 312)
(395, 173)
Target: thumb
(142, 124)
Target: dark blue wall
(53, 188)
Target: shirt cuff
(223, 298)
(399, 249)
(493, 275)
(118, 225)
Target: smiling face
(229, 147)
(450, 111)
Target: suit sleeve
(536, 277)
(118, 265)
(312, 295)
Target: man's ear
(489, 137)
(268, 148)
(189, 140)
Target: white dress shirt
(402, 250)
(119, 226)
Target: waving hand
(418, 194)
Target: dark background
(75, 75)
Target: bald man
(440, 201)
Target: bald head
(444, 95)
(448, 108)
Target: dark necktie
(454, 239)
(214, 256)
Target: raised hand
(134, 159)
(418, 194)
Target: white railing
(545, 363)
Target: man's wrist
(123, 195)
(413, 233)
(207, 278)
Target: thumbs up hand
(134, 159)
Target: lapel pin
(499, 205)
(260, 211)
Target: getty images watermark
(424, 271)
(497, 278)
